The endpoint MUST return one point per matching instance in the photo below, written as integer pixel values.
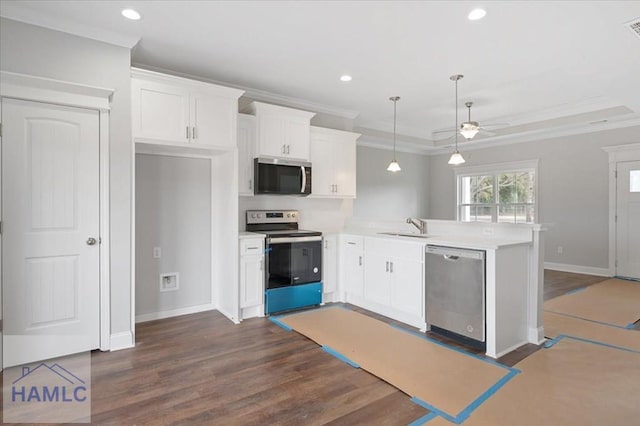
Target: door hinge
(0, 130)
(615, 219)
(615, 174)
(0, 227)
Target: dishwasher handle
(454, 253)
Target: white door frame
(617, 153)
(38, 89)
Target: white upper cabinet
(177, 111)
(281, 132)
(333, 159)
(246, 152)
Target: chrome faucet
(418, 223)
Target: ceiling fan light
(394, 166)
(469, 130)
(456, 159)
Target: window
(503, 193)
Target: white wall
(173, 212)
(572, 184)
(386, 195)
(42, 52)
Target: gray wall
(38, 51)
(573, 190)
(173, 212)
(385, 195)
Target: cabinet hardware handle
(188, 133)
(288, 149)
(387, 266)
(250, 184)
(253, 248)
(326, 244)
(336, 187)
(359, 260)
(261, 264)
(351, 242)
(193, 132)
(391, 267)
(283, 149)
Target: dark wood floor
(202, 369)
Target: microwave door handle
(304, 179)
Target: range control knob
(253, 215)
(288, 214)
(293, 215)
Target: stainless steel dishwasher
(455, 296)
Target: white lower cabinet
(330, 268)
(393, 279)
(252, 277)
(352, 265)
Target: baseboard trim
(507, 350)
(174, 312)
(578, 269)
(536, 335)
(123, 340)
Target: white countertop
(244, 235)
(461, 241)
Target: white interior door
(50, 199)
(628, 219)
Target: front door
(628, 219)
(50, 252)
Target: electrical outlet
(157, 252)
(559, 249)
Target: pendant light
(393, 165)
(456, 158)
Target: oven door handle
(280, 240)
(304, 180)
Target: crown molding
(12, 10)
(260, 95)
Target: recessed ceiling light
(131, 14)
(345, 78)
(476, 14)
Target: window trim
(494, 169)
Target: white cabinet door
(353, 261)
(407, 286)
(345, 169)
(333, 158)
(376, 277)
(321, 156)
(330, 264)
(213, 120)
(271, 136)
(251, 279)
(297, 131)
(246, 153)
(160, 111)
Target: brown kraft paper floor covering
(441, 377)
(571, 383)
(613, 301)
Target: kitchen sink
(404, 234)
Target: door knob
(91, 241)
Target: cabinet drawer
(355, 242)
(390, 247)
(251, 246)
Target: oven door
(293, 261)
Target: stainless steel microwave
(276, 176)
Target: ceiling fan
(469, 129)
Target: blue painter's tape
(277, 322)
(549, 343)
(595, 342)
(587, 319)
(464, 414)
(434, 409)
(630, 325)
(576, 290)
(424, 419)
(444, 345)
(627, 278)
(341, 357)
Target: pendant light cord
(395, 101)
(456, 126)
